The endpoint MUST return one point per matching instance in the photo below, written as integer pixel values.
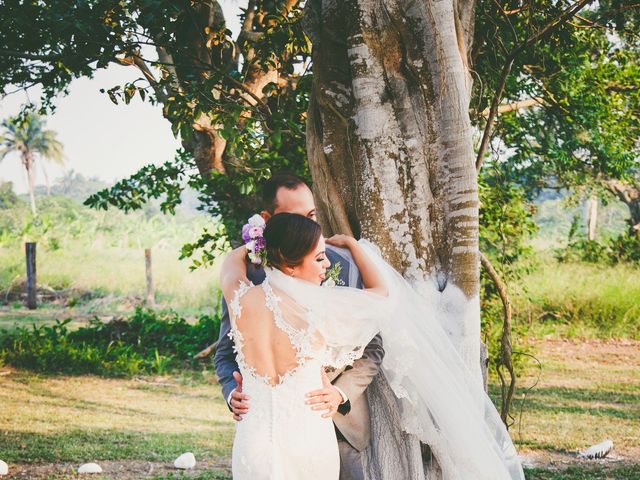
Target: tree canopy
(239, 104)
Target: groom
(289, 193)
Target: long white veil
(440, 401)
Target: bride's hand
(340, 240)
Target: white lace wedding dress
(439, 400)
(281, 437)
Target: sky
(101, 139)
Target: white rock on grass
(600, 450)
(90, 468)
(4, 468)
(185, 461)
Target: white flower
(250, 245)
(256, 221)
(329, 282)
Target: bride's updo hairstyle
(290, 237)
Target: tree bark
(390, 148)
(206, 144)
(27, 161)
(32, 299)
(592, 217)
(389, 143)
(151, 297)
(629, 194)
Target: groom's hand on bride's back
(237, 399)
(327, 398)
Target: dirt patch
(593, 350)
(558, 461)
(120, 469)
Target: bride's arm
(233, 271)
(371, 276)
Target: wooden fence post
(151, 301)
(30, 248)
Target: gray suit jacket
(353, 416)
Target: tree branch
(616, 87)
(510, 107)
(29, 56)
(136, 60)
(167, 59)
(506, 70)
(207, 351)
(506, 349)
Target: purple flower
(245, 233)
(255, 232)
(260, 243)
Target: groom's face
(299, 200)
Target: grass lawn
(587, 391)
(52, 424)
(49, 425)
(578, 300)
(114, 278)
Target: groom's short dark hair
(270, 187)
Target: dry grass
(587, 391)
(79, 419)
(116, 273)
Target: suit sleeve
(224, 359)
(355, 380)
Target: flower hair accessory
(252, 236)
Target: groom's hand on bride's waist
(238, 400)
(327, 398)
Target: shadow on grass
(47, 397)
(585, 473)
(597, 403)
(89, 445)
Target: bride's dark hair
(290, 237)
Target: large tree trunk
(389, 144)
(629, 194)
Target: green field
(585, 393)
(581, 321)
(578, 300)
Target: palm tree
(26, 135)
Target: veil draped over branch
(440, 400)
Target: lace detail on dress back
(299, 339)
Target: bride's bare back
(266, 347)
(280, 436)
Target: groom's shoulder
(338, 254)
(349, 271)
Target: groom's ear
(265, 215)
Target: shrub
(148, 342)
(626, 248)
(583, 250)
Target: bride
(290, 328)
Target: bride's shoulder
(248, 299)
(251, 294)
